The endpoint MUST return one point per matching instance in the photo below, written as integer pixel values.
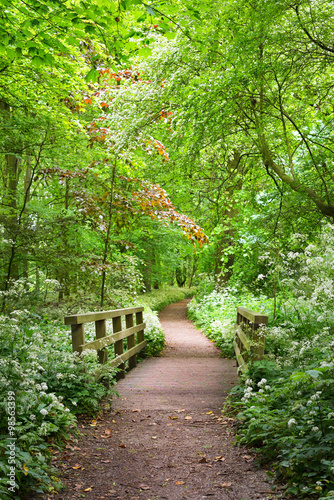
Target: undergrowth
(284, 404)
(44, 386)
(158, 299)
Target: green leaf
(92, 75)
(298, 376)
(169, 35)
(141, 18)
(145, 52)
(89, 28)
(150, 11)
(313, 373)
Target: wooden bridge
(133, 333)
(248, 344)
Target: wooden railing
(249, 336)
(133, 345)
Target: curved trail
(165, 438)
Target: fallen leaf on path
(179, 411)
(221, 458)
(209, 412)
(188, 417)
(154, 437)
(179, 482)
(105, 461)
(93, 423)
(135, 410)
(173, 418)
(88, 489)
(225, 485)
(144, 487)
(202, 460)
(247, 457)
(122, 445)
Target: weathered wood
(129, 331)
(103, 340)
(240, 360)
(76, 319)
(131, 341)
(78, 337)
(139, 320)
(101, 332)
(114, 337)
(117, 327)
(256, 318)
(249, 344)
(242, 337)
(120, 360)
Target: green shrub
(158, 299)
(216, 314)
(154, 334)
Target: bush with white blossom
(51, 385)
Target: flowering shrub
(216, 314)
(49, 385)
(287, 399)
(285, 402)
(154, 334)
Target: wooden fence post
(78, 337)
(131, 341)
(101, 331)
(140, 335)
(249, 342)
(117, 327)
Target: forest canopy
(148, 145)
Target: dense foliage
(149, 145)
(284, 403)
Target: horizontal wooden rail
(134, 334)
(249, 337)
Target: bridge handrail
(135, 343)
(249, 336)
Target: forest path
(165, 437)
(190, 373)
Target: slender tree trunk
(107, 239)
(223, 272)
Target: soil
(165, 436)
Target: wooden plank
(119, 360)
(240, 360)
(101, 333)
(129, 331)
(76, 319)
(78, 337)
(244, 340)
(111, 339)
(131, 341)
(252, 316)
(139, 320)
(117, 327)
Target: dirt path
(164, 437)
